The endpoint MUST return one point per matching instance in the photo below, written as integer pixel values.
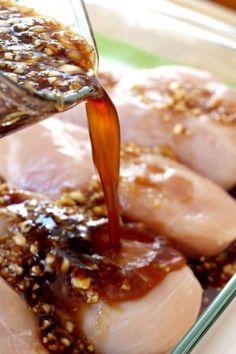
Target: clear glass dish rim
(207, 319)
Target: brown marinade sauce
(214, 272)
(57, 256)
(46, 63)
(39, 53)
(43, 56)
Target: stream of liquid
(105, 138)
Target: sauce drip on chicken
(58, 257)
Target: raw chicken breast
(18, 332)
(146, 325)
(169, 198)
(46, 157)
(151, 325)
(182, 107)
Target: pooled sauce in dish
(47, 59)
(57, 256)
(214, 273)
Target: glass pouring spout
(47, 64)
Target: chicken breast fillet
(113, 330)
(155, 328)
(145, 325)
(182, 107)
(156, 190)
(18, 330)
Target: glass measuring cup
(21, 107)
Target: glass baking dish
(140, 35)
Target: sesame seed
(21, 286)
(180, 106)
(20, 240)
(34, 249)
(17, 57)
(8, 56)
(65, 341)
(46, 307)
(100, 210)
(70, 69)
(178, 94)
(53, 347)
(65, 200)
(174, 85)
(35, 270)
(19, 69)
(92, 297)
(12, 77)
(16, 269)
(78, 196)
(69, 326)
(37, 42)
(54, 73)
(162, 266)
(166, 118)
(196, 111)
(50, 259)
(51, 80)
(29, 85)
(178, 129)
(166, 151)
(65, 265)
(46, 324)
(51, 336)
(125, 285)
(79, 283)
(35, 287)
(228, 269)
(37, 29)
(75, 86)
(48, 51)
